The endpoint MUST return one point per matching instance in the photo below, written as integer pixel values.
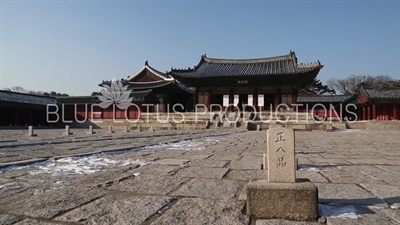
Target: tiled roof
(381, 93)
(76, 99)
(8, 96)
(137, 86)
(323, 98)
(141, 85)
(138, 96)
(154, 71)
(184, 88)
(209, 67)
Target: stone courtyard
(189, 177)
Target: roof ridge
(380, 88)
(253, 60)
(27, 94)
(163, 76)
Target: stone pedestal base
(290, 201)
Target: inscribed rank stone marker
(280, 155)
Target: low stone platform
(291, 201)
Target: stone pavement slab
(54, 202)
(394, 214)
(158, 170)
(392, 169)
(353, 174)
(9, 219)
(246, 162)
(246, 175)
(191, 156)
(172, 162)
(208, 188)
(350, 194)
(123, 209)
(314, 177)
(149, 184)
(361, 216)
(374, 161)
(204, 211)
(106, 178)
(202, 172)
(36, 222)
(388, 193)
(284, 222)
(209, 163)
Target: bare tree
(18, 89)
(353, 83)
(32, 92)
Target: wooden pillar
(374, 111)
(255, 98)
(209, 99)
(43, 115)
(294, 96)
(30, 117)
(394, 116)
(368, 112)
(278, 99)
(16, 117)
(231, 99)
(196, 97)
(364, 113)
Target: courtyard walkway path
(188, 177)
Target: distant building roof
(16, 97)
(384, 93)
(209, 67)
(154, 71)
(77, 100)
(137, 96)
(142, 85)
(161, 80)
(323, 98)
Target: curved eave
(152, 70)
(149, 85)
(180, 75)
(248, 61)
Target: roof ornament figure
(146, 63)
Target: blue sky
(71, 46)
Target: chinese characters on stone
(279, 138)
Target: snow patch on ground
(96, 162)
(82, 165)
(347, 130)
(370, 175)
(188, 145)
(308, 168)
(343, 212)
(12, 185)
(55, 186)
(77, 165)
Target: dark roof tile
(209, 67)
(323, 98)
(8, 96)
(382, 93)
